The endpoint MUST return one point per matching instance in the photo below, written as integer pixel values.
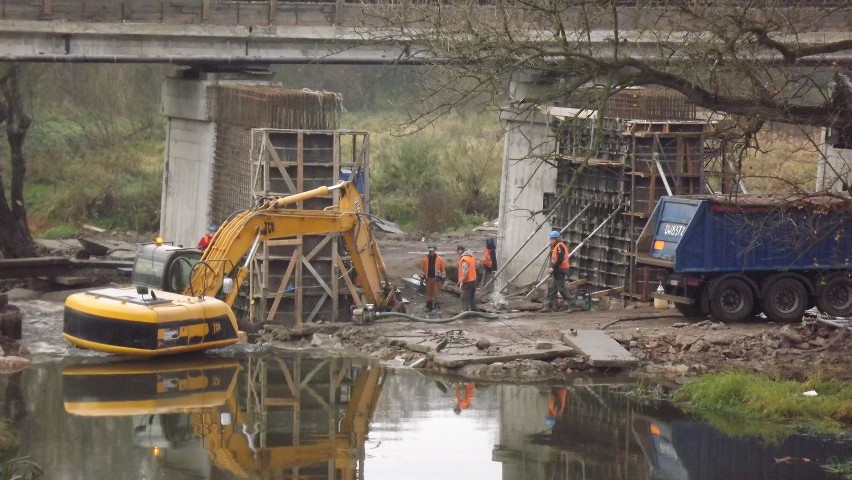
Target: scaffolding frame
(305, 278)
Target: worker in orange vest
(205, 240)
(467, 278)
(464, 397)
(432, 266)
(559, 266)
(489, 260)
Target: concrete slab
(599, 349)
(455, 348)
(419, 343)
(459, 358)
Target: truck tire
(731, 300)
(786, 300)
(835, 299)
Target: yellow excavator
(173, 307)
(181, 404)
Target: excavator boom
(237, 240)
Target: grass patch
(839, 468)
(20, 468)
(13, 467)
(744, 404)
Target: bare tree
(761, 60)
(15, 239)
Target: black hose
(488, 316)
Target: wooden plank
(599, 349)
(280, 293)
(348, 281)
(609, 291)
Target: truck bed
(704, 234)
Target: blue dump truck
(735, 257)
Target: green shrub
(441, 177)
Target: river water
(247, 413)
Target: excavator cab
(164, 267)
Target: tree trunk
(15, 238)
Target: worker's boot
(428, 307)
(436, 307)
(546, 308)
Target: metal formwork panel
(628, 164)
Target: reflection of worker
(467, 278)
(464, 397)
(558, 271)
(556, 401)
(489, 260)
(205, 240)
(434, 272)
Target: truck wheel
(731, 300)
(835, 299)
(786, 300)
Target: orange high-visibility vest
(471, 269)
(487, 259)
(555, 253)
(439, 266)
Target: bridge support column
(188, 104)
(834, 170)
(525, 177)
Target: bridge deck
(179, 12)
(288, 31)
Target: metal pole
(576, 217)
(579, 245)
(529, 237)
(660, 166)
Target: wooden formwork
(305, 278)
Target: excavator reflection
(254, 417)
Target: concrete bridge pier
(188, 105)
(525, 176)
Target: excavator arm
(232, 248)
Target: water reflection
(602, 432)
(254, 418)
(260, 417)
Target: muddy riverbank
(664, 343)
(521, 344)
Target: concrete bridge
(213, 35)
(239, 32)
(186, 32)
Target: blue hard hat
(213, 228)
(554, 234)
(550, 422)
